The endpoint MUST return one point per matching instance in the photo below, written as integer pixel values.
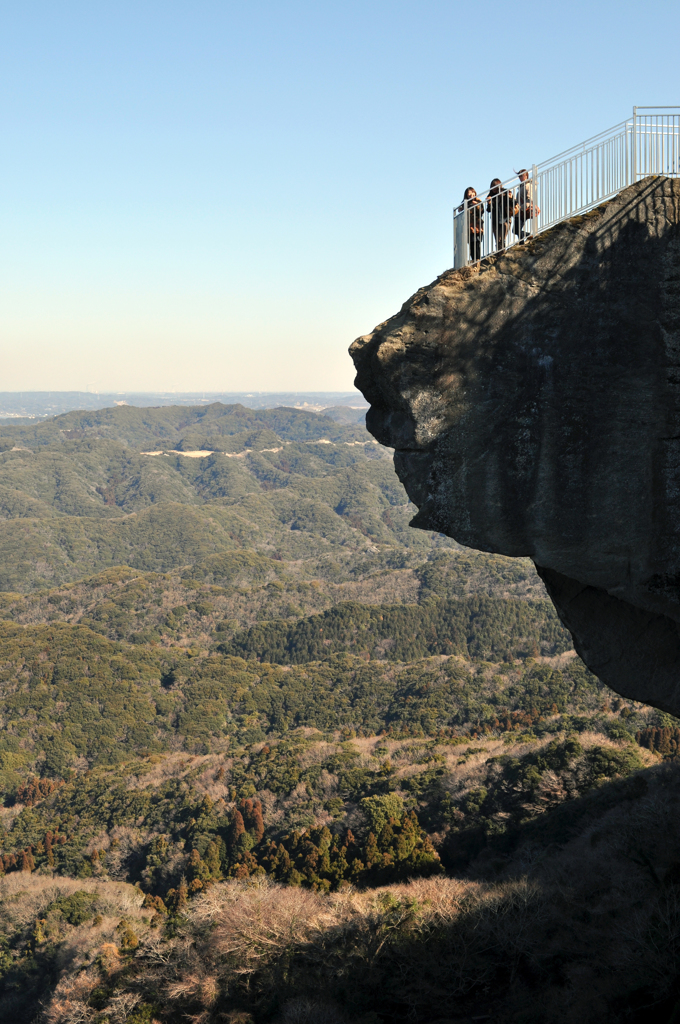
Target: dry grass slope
(426, 950)
(585, 931)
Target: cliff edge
(533, 403)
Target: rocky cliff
(533, 403)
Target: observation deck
(569, 184)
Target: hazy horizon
(15, 405)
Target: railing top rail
(594, 139)
(616, 129)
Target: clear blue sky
(222, 196)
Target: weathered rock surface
(534, 407)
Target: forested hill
(222, 534)
(224, 654)
(124, 486)
(223, 426)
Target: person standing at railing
(475, 219)
(524, 204)
(500, 204)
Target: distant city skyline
(220, 196)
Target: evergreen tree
(49, 853)
(236, 829)
(182, 895)
(372, 854)
(27, 861)
(258, 821)
(211, 860)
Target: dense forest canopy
(226, 660)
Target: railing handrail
(587, 144)
(627, 122)
(573, 182)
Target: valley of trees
(241, 699)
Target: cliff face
(534, 407)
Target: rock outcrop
(533, 403)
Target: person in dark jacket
(475, 209)
(500, 204)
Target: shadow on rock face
(533, 403)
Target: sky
(222, 196)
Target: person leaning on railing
(500, 204)
(524, 204)
(475, 209)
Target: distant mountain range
(41, 404)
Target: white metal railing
(569, 184)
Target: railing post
(460, 257)
(534, 202)
(634, 144)
(453, 227)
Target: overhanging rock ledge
(533, 403)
